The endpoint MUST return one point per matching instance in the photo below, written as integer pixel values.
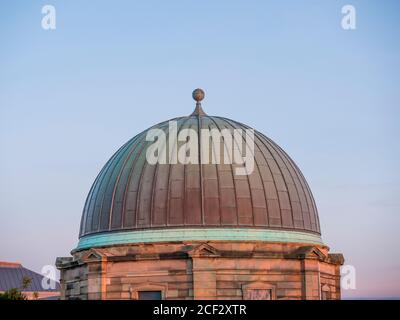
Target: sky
(70, 97)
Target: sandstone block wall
(212, 270)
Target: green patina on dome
(199, 234)
(132, 197)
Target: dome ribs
(306, 210)
(119, 206)
(160, 196)
(174, 198)
(143, 195)
(242, 184)
(228, 196)
(211, 187)
(158, 215)
(119, 190)
(199, 151)
(160, 202)
(312, 210)
(286, 210)
(292, 190)
(101, 185)
(129, 210)
(270, 185)
(305, 199)
(192, 202)
(109, 193)
(310, 200)
(84, 218)
(91, 198)
(256, 184)
(132, 194)
(128, 206)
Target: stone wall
(195, 270)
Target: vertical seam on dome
(247, 176)
(313, 204)
(115, 156)
(96, 185)
(87, 204)
(184, 121)
(139, 186)
(184, 218)
(259, 173)
(272, 176)
(217, 178)
(302, 183)
(117, 181)
(233, 178)
(286, 163)
(283, 178)
(273, 180)
(316, 216)
(120, 158)
(200, 126)
(124, 198)
(141, 175)
(155, 175)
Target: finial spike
(198, 95)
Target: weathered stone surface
(195, 270)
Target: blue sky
(330, 97)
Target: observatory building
(201, 227)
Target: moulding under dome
(196, 234)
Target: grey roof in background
(11, 275)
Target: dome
(133, 200)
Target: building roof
(12, 274)
(131, 194)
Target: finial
(198, 95)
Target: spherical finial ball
(198, 94)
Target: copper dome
(129, 194)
